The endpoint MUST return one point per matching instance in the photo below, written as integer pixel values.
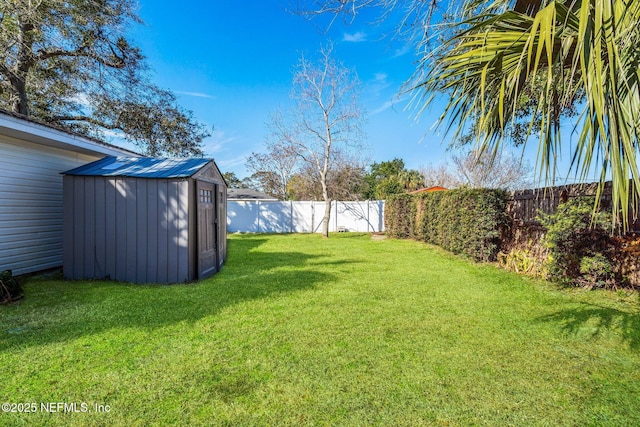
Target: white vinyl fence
(261, 216)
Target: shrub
(465, 221)
(579, 243)
(10, 289)
(397, 216)
(597, 272)
(525, 261)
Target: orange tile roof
(428, 190)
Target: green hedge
(464, 221)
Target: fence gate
(207, 236)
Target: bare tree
(345, 181)
(326, 117)
(274, 168)
(440, 175)
(485, 170)
(480, 170)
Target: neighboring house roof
(428, 190)
(27, 129)
(247, 194)
(141, 167)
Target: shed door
(206, 229)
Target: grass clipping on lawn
(297, 330)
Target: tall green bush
(464, 221)
(579, 243)
(397, 216)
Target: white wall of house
(31, 159)
(263, 216)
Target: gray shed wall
(129, 229)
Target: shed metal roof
(141, 167)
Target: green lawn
(350, 331)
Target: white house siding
(31, 203)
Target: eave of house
(28, 130)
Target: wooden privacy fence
(524, 205)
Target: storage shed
(144, 220)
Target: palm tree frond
(568, 53)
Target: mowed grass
(350, 331)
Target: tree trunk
(18, 78)
(20, 104)
(326, 218)
(325, 195)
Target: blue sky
(231, 64)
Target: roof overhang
(31, 131)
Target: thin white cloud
(383, 107)
(380, 82)
(390, 104)
(377, 85)
(401, 52)
(355, 37)
(227, 164)
(216, 142)
(380, 77)
(196, 94)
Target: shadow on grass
(591, 320)
(56, 311)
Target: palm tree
(574, 52)
(411, 179)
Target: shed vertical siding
(131, 228)
(119, 231)
(146, 225)
(78, 226)
(101, 232)
(90, 211)
(142, 247)
(31, 204)
(153, 222)
(193, 228)
(182, 240)
(163, 230)
(172, 231)
(110, 207)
